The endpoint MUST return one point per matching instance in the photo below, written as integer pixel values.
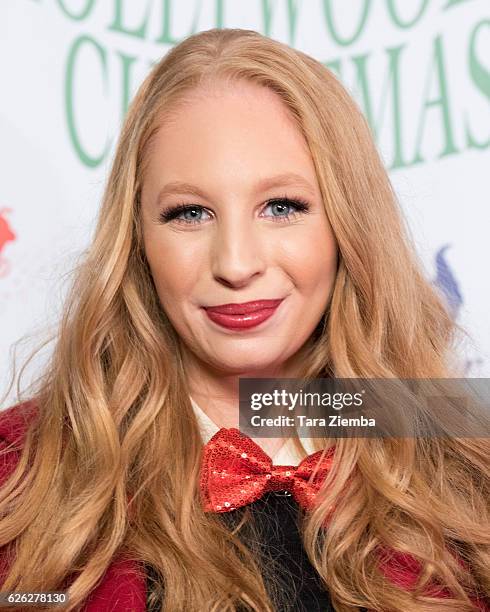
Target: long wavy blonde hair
(115, 422)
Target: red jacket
(121, 588)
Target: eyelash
(298, 204)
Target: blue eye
(284, 207)
(186, 213)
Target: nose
(238, 255)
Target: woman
(244, 172)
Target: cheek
(174, 271)
(311, 259)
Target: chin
(247, 363)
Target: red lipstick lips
(242, 316)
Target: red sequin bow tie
(235, 471)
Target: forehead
(222, 91)
(231, 131)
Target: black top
(275, 516)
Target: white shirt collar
(287, 454)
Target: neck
(216, 390)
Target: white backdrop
(419, 69)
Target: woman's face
(229, 155)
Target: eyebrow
(290, 179)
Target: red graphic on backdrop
(6, 235)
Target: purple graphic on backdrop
(447, 285)
(446, 282)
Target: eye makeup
(297, 204)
